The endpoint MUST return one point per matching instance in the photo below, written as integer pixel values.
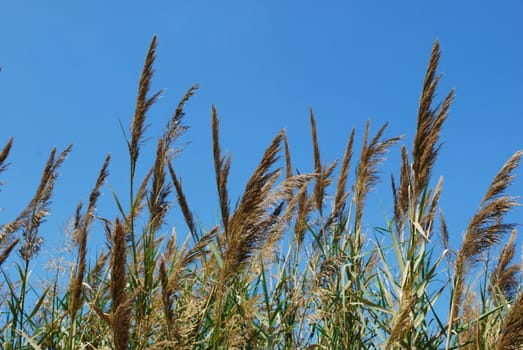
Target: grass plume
(81, 233)
(430, 120)
(222, 166)
(372, 154)
(121, 308)
(4, 153)
(484, 231)
(143, 103)
(504, 278)
(511, 336)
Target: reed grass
(293, 265)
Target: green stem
(19, 325)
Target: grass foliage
(293, 265)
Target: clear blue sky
(70, 71)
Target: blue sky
(70, 72)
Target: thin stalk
(131, 216)
(19, 324)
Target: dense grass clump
(291, 266)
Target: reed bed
(293, 265)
